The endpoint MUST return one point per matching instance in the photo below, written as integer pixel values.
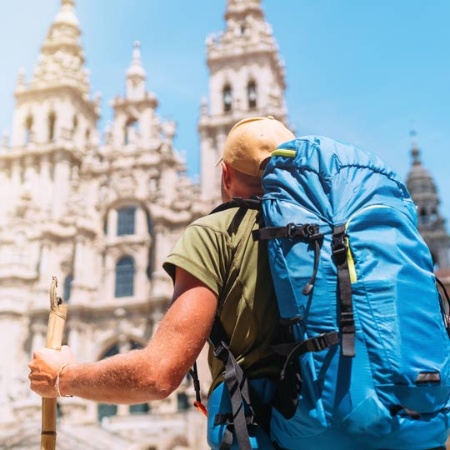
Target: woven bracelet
(57, 381)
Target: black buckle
(221, 352)
(307, 231)
(325, 340)
(312, 231)
(291, 230)
(347, 322)
(290, 321)
(339, 247)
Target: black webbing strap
(308, 232)
(237, 386)
(193, 372)
(196, 382)
(291, 230)
(315, 344)
(347, 321)
(249, 203)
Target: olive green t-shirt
(219, 250)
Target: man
(217, 268)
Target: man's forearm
(122, 379)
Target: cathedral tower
(431, 223)
(53, 123)
(101, 215)
(54, 119)
(246, 79)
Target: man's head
(251, 142)
(247, 149)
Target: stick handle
(55, 330)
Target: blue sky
(364, 71)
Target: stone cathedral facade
(101, 209)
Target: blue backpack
(368, 365)
(366, 343)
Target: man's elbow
(159, 386)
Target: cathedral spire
(239, 8)
(61, 61)
(55, 105)
(245, 25)
(247, 78)
(415, 152)
(248, 41)
(136, 76)
(136, 70)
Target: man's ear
(225, 185)
(226, 176)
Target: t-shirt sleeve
(204, 252)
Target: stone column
(61, 185)
(45, 181)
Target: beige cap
(251, 141)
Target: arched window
(28, 129)
(126, 218)
(131, 131)
(251, 95)
(124, 286)
(68, 287)
(227, 97)
(423, 216)
(433, 215)
(51, 126)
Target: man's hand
(45, 368)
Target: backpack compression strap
(293, 350)
(347, 321)
(237, 385)
(308, 232)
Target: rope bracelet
(57, 381)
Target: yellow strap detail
(351, 265)
(284, 152)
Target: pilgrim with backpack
(366, 333)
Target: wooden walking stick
(56, 321)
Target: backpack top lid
(333, 179)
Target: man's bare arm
(141, 375)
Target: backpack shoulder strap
(234, 378)
(239, 202)
(238, 388)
